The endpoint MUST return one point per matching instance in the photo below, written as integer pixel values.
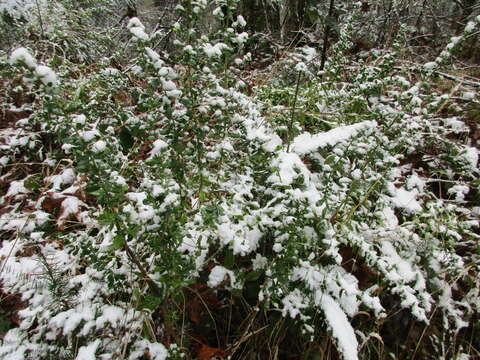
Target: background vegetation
(239, 179)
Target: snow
(455, 124)
(89, 134)
(306, 142)
(109, 71)
(259, 262)
(168, 85)
(70, 206)
(293, 304)
(174, 93)
(342, 331)
(241, 38)
(405, 199)
(218, 274)
(391, 220)
(468, 95)
(277, 247)
(88, 352)
(79, 119)
(66, 177)
(214, 50)
(430, 65)
(158, 145)
(290, 167)
(17, 189)
(217, 12)
(459, 191)
(46, 75)
(21, 55)
(139, 33)
(241, 21)
(153, 55)
(99, 146)
(156, 351)
(470, 27)
(240, 239)
(111, 314)
(137, 29)
(471, 156)
(401, 266)
(135, 22)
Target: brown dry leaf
(207, 352)
(203, 297)
(66, 207)
(357, 267)
(10, 305)
(194, 310)
(52, 202)
(144, 151)
(70, 209)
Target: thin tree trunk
(327, 34)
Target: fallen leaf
(207, 352)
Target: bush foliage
(175, 205)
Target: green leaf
(92, 189)
(229, 259)
(33, 182)
(253, 275)
(150, 301)
(330, 159)
(106, 218)
(118, 243)
(5, 325)
(126, 139)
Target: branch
(445, 75)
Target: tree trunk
(326, 34)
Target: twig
(292, 114)
(151, 284)
(445, 75)
(40, 18)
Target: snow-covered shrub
(144, 199)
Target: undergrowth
(153, 208)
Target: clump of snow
(470, 27)
(21, 55)
(17, 190)
(430, 65)
(46, 75)
(259, 262)
(155, 58)
(158, 145)
(293, 304)
(307, 142)
(214, 50)
(154, 350)
(468, 95)
(137, 29)
(401, 266)
(99, 146)
(241, 38)
(471, 156)
(342, 331)
(66, 177)
(79, 119)
(110, 71)
(290, 167)
(219, 274)
(88, 352)
(404, 199)
(459, 191)
(240, 21)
